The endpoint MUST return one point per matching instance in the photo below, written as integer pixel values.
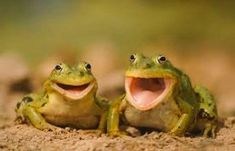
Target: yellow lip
(73, 92)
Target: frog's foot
(118, 133)
(46, 127)
(176, 133)
(93, 131)
(42, 125)
(132, 131)
(209, 131)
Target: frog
(68, 99)
(160, 96)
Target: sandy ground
(24, 137)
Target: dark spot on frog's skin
(18, 105)
(43, 104)
(204, 115)
(82, 73)
(27, 99)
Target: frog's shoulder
(37, 100)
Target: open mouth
(73, 91)
(146, 93)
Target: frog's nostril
(81, 73)
(146, 65)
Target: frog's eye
(58, 67)
(161, 59)
(88, 67)
(132, 58)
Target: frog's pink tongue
(145, 90)
(73, 89)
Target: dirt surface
(24, 137)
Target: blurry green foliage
(36, 28)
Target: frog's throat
(146, 93)
(73, 92)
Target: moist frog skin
(160, 96)
(68, 98)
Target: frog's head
(74, 82)
(149, 81)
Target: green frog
(68, 99)
(160, 96)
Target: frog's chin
(146, 93)
(73, 92)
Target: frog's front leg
(114, 118)
(31, 115)
(103, 122)
(35, 118)
(101, 127)
(102, 103)
(185, 120)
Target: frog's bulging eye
(58, 67)
(161, 59)
(88, 67)
(132, 58)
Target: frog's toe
(54, 128)
(176, 133)
(95, 131)
(213, 134)
(46, 127)
(210, 132)
(118, 133)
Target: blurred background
(197, 36)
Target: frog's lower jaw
(73, 92)
(146, 93)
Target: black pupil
(58, 67)
(88, 66)
(162, 58)
(132, 57)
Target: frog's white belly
(163, 117)
(64, 113)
